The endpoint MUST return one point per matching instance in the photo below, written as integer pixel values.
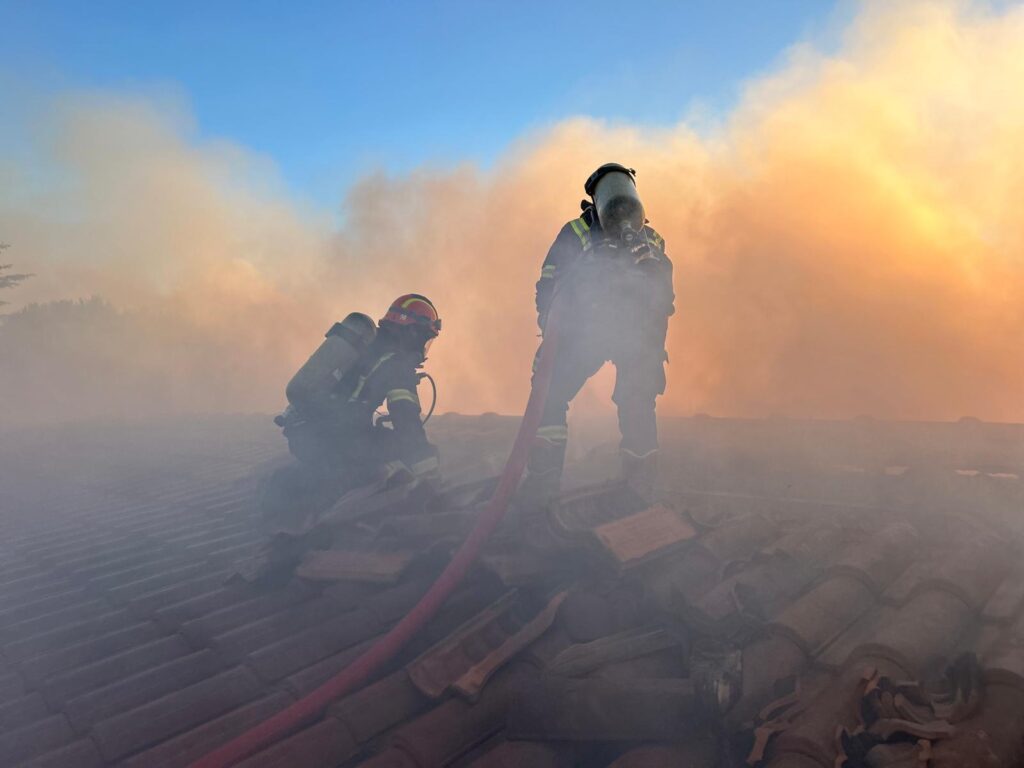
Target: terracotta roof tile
(60, 688)
(189, 746)
(19, 712)
(78, 754)
(122, 734)
(40, 668)
(324, 638)
(145, 605)
(54, 620)
(453, 727)
(923, 633)
(380, 706)
(312, 676)
(880, 558)
(972, 572)
(326, 743)
(818, 617)
(94, 592)
(519, 754)
(103, 620)
(34, 739)
(697, 753)
(243, 640)
(390, 758)
(136, 690)
(237, 613)
(590, 709)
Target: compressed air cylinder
(311, 390)
(619, 209)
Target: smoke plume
(847, 242)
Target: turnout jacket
(622, 292)
(385, 373)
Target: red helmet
(414, 309)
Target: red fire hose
(360, 670)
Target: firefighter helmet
(412, 309)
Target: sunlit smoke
(848, 242)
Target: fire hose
(359, 671)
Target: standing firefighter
(333, 398)
(609, 281)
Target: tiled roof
(628, 638)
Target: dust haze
(847, 240)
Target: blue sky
(331, 90)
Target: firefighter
(610, 282)
(333, 399)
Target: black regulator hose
(433, 387)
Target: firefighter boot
(543, 478)
(641, 474)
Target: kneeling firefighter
(609, 275)
(334, 397)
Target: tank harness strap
(362, 379)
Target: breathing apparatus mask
(619, 209)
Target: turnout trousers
(639, 379)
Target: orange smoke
(848, 243)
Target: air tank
(619, 209)
(311, 390)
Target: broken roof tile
(813, 732)
(440, 666)
(764, 663)
(579, 512)
(581, 658)
(642, 536)
(451, 728)
(475, 678)
(993, 736)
